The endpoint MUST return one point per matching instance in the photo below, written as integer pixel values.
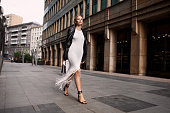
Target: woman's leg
(78, 85)
(66, 89)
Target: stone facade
(118, 34)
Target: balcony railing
(24, 29)
(12, 39)
(24, 34)
(14, 30)
(22, 38)
(14, 42)
(23, 42)
(13, 35)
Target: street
(31, 89)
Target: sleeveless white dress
(75, 55)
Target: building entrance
(99, 40)
(53, 55)
(123, 51)
(159, 50)
(58, 55)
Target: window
(114, 1)
(81, 9)
(57, 26)
(67, 19)
(103, 4)
(87, 8)
(76, 11)
(71, 17)
(94, 6)
(59, 5)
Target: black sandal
(66, 86)
(83, 102)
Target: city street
(31, 89)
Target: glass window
(103, 4)
(76, 11)
(114, 1)
(67, 20)
(71, 17)
(81, 9)
(59, 5)
(87, 8)
(94, 6)
(57, 26)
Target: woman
(75, 52)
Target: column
(134, 57)
(56, 57)
(78, 7)
(61, 54)
(142, 48)
(90, 8)
(47, 55)
(98, 5)
(91, 53)
(51, 56)
(108, 3)
(110, 51)
(84, 8)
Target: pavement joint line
(36, 108)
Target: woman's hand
(82, 62)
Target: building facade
(36, 40)
(13, 19)
(19, 38)
(125, 36)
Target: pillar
(47, 55)
(142, 48)
(84, 8)
(90, 8)
(61, 54)
(56, 51)
(110, 51)
(108, 3)
(98, 5)
(138, 61)
(91, 53)
(51, 55)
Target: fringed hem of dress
(66, 78)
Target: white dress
(75, 55)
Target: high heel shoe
(66, 86)
(82, 102)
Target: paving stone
(124, 103)
(162, 92)
(36, 84)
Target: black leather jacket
(70, 34)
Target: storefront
(159, 49)
(123, 51)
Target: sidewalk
(30, 89)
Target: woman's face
(79, 21)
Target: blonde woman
(75, 52)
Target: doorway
(123, 51)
